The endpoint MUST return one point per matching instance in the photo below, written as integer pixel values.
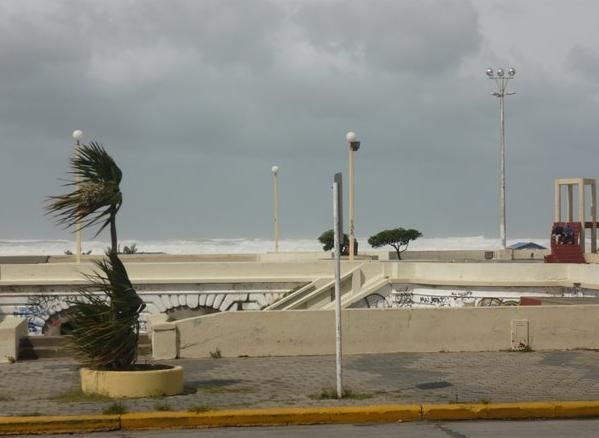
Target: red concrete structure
(568, 236)
(566, 246)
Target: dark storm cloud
(198, 99)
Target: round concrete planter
(138, 383)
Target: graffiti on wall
(38, 311)
(409, 299)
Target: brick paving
(40, 387)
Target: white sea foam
(240, 245)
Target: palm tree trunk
(113, 238)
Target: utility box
(520, 335)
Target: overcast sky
(196, 100)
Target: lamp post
(77, 134)
(501, 79)
(275, 182)
(354, 145)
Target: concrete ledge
(168, 281)
(12, 330)
(311, 415)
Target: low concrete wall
(181, 271)
(500, 274)
(11, 331)
(306, 332)
(490, 274)
(156, 258)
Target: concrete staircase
(370, 287)
(366, 277)
(43, 347)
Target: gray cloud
(198, 99)
(585, 61)
(421, 37)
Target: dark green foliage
(130, 249)
(106, 324)
(96, 197)
(328, 241)
(398, 238)
(105, 315)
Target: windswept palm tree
(97, 196)
(105, 315)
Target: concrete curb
(59, 424)
(311, 415)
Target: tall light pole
(275, 182)
(501, 79)
(77, 134)
(354, 145)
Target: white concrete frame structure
(581, 183)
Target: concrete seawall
(189, 286)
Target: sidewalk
(50, 387)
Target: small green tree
(398, 238)
(328, 242)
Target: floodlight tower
(501, 79)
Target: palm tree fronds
(106, 324)
(97, 195)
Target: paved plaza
(49, 387)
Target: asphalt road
(462, 429)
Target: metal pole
(502, 225)
(352, 236)
(275, 176)
(78, 224)
(501, 80)
(338, 352)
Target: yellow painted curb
(310, 415)
(500, 411)
(272, 416)
(59, 424)
(436, 412)
(577, 409)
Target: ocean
(241, 245)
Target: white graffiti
(421, 298)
